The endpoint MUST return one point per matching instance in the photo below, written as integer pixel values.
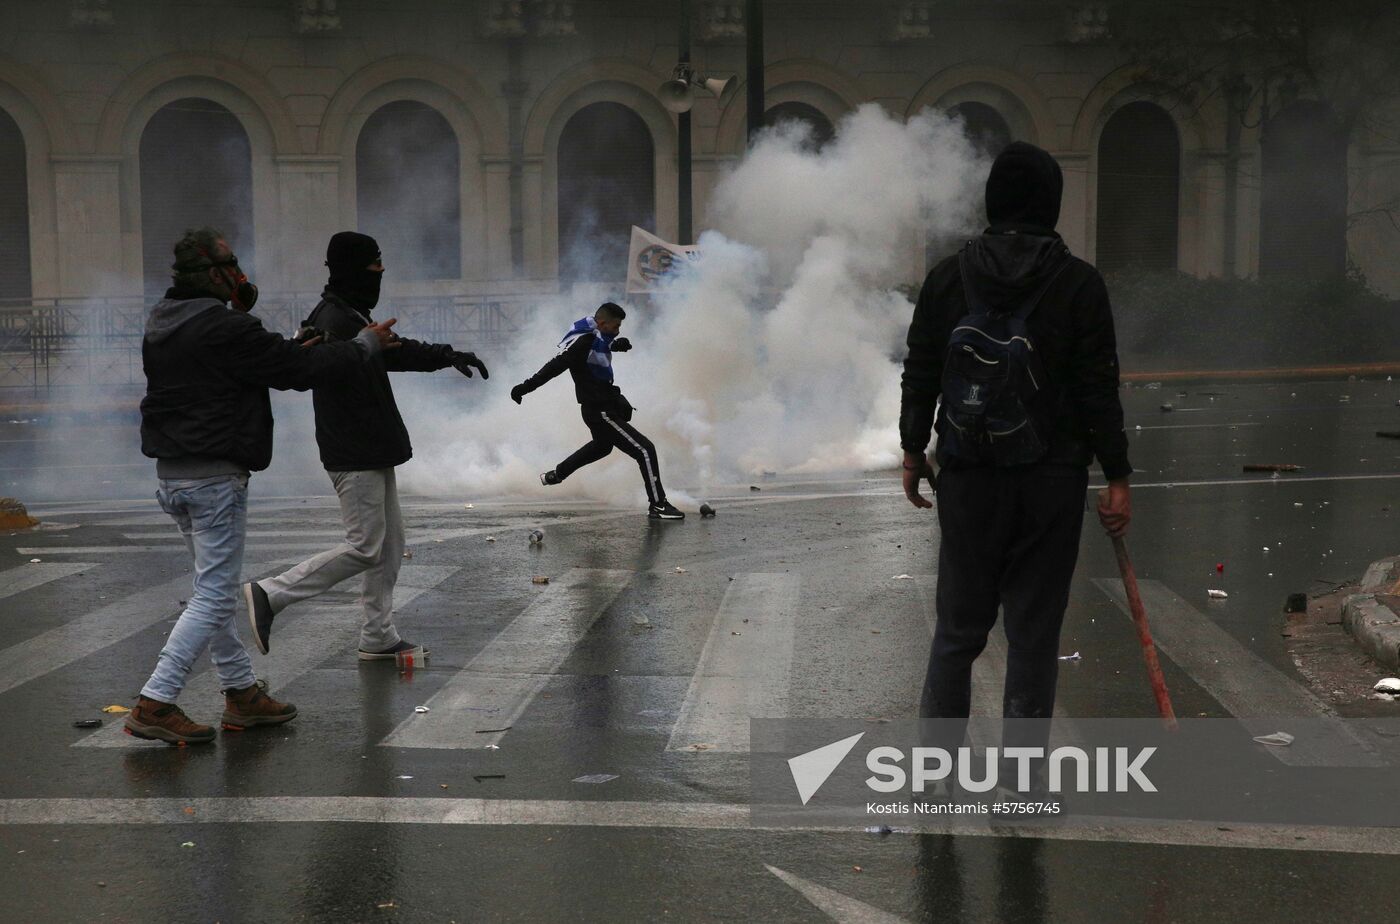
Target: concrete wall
(82, 78)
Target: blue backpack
(995, 396)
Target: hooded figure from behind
(1010, 532)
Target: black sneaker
(259, 614)
(664, 511)
(404, 647)
(549, 478)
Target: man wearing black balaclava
(1010, 507)
(362, 438)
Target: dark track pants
(611, 431)
(1010, 538)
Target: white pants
(373, 546)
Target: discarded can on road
(404, 660)
(706, 511)
(536, 536)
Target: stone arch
(1014, 97)
(580, 86)
(471, 172)
(194, 167)
(1139, 189)
(456, 94)
(230, 84)
(260, 111)
(1199, 137)
(46, 132)
(1126, 85)
(825, 88)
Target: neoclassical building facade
(495, 146)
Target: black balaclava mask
(1024, 188)
(347, 255)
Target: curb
(1370, 616)
(1287, 374)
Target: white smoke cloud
(779, 351)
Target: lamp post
(683, 183)
(678, 95)
(753, 27)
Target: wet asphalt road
(608, 692)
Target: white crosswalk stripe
(745, 668)
(90, 633)
(1254, 691)
(303, 637)
(499, 683)
(27, 577)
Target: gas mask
(243, 295)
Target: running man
(586, 351)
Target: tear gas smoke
(779, 351)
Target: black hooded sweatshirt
(358, 425)
(208, 368)
(1072, 328)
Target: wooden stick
(1149, 650)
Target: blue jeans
(212, 515)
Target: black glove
(621, 345)
(465, 362)
(517, 393)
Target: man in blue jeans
(207, 421)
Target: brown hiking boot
(252, 706)
(157, 721)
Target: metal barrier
(62, 344)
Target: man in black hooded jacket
(1010, 535)
(362, 437)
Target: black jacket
(358, 425)
(208, 368)
(594, 395)
(1072, 329)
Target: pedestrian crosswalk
(745, 667)
(37, 574)
(742, 654)
(485, 698)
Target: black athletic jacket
(358, 425)
(208, 368)
(1072, 329)
(594, 395)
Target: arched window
(1303, 205)
(821, 127)
(984, 127)
(14, 212)
(196, 170)
(408, 190)
(1139, 189)
(607, 184)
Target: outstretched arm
(555, 367)
(416, 356)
